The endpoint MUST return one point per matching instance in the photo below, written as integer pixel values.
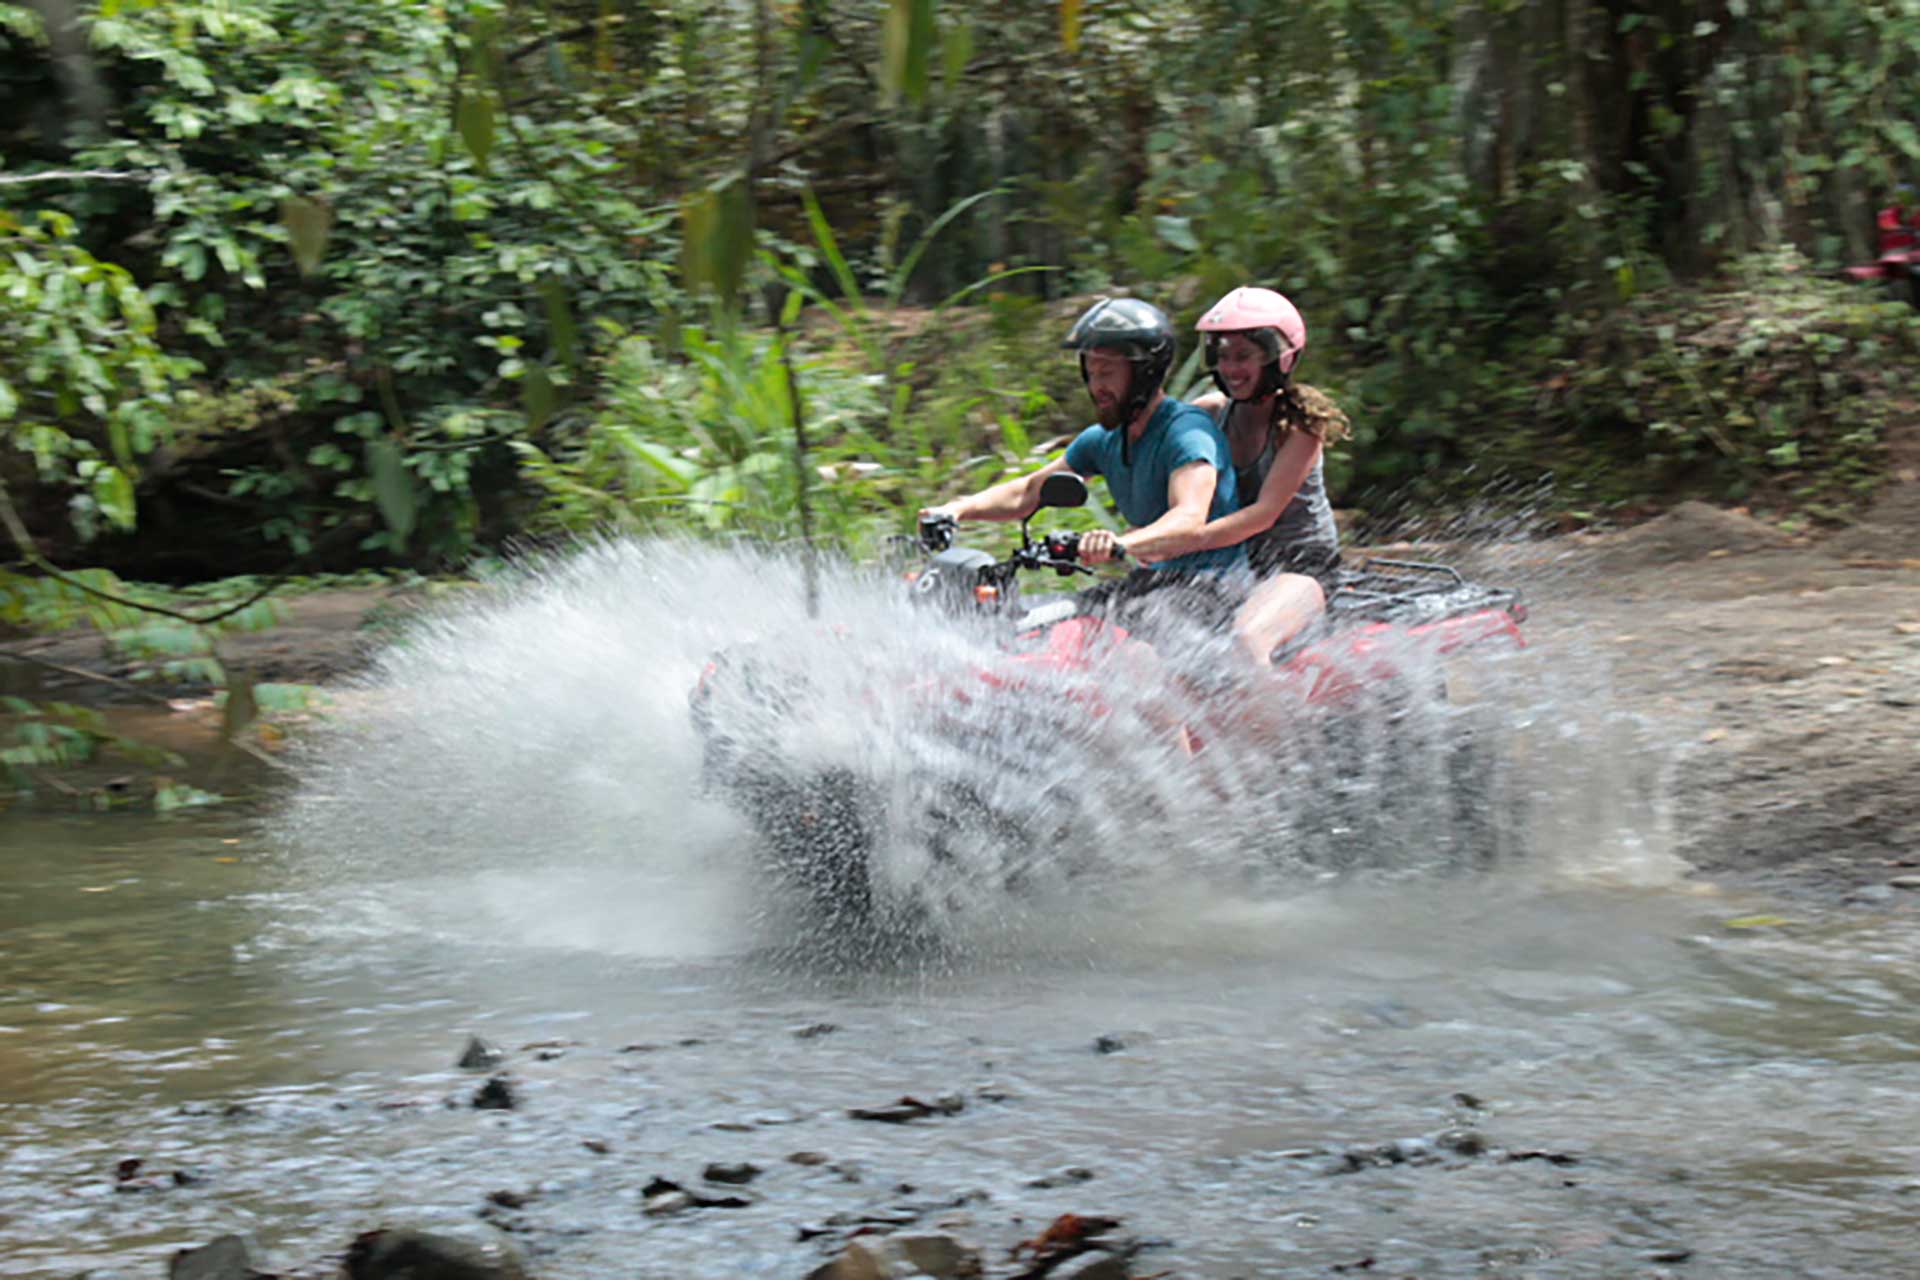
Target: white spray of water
(525, 767)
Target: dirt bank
(1795, 669)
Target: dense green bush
(412, 247)
(1769, 384)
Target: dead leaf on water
(96, 888)
(1907, 628)
(1834, 660)
(1757, 922)
(1713, 735)
(226, 859)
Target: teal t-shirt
(1178, 434)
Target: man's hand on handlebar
(1098, 546)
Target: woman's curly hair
(1309, 409)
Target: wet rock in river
(497, 1094)
(896, 1256)
(816, 1030)
(910, 1108)
(807, 1158)
(223, 1259)
(662, 1204)
(419, 1255)
(1066, 1177)
(733, 1174)
(663, 1196)
(479, 1055)
(1093, 1265)
(1108, 1044)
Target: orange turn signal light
(986, 594)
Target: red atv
(984, 762)
(1899, 259)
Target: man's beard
(1113, 416)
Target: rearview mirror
(1063, 489)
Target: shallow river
(1649, 1083)
(1574, 1062)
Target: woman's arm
(1290, 467)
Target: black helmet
(1137, 330)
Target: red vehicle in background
(1899, 256)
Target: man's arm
(1189, 498)
(1014, 499)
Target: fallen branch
(77, 175)
(83, 674)
(23, 539)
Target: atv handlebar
(937, 532)
(1059, 551)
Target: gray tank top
(1307, 522)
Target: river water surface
(1571, 1064)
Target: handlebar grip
(1066, 546)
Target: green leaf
(279, 697)
(908, 36)
(473, 117)
(536, 396)
(1903, 135)
(679, 470)
(308, 224)
(956, 51)
(113, 490)
(392, 488)
(1177, 232)
(718, 239)
(179, 795)
(560, 327)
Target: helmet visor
(1265, 344)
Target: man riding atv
(1166, 464)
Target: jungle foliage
(381, 281)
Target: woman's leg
(1275, 611)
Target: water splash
(524, 767)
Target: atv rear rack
(1414, 591)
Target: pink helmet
(1264, 317)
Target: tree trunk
(85, 94)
